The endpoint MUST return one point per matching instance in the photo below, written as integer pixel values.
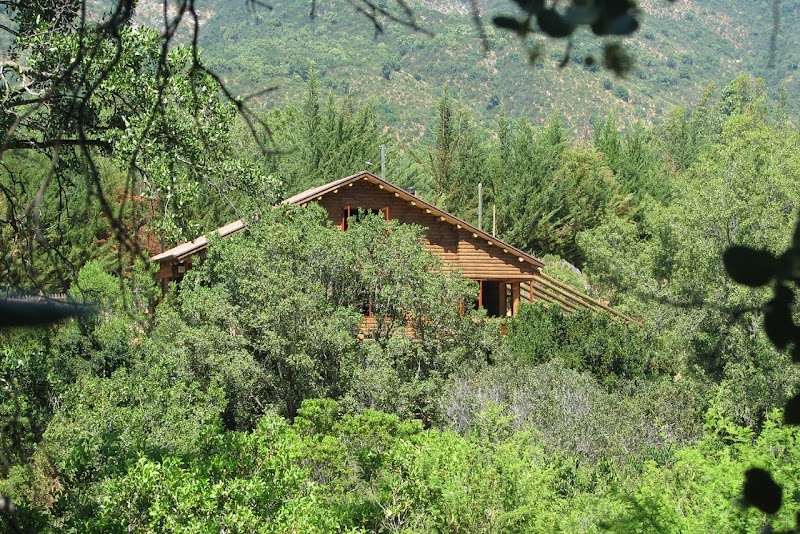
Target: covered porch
(502, 297)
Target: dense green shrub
(273, 316)
(586, 341)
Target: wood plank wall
(457, 248)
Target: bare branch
(372, 11)
(34, 144)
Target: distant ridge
(682, 48)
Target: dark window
(491, 298)
(364, 303)
(495, 298)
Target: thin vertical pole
(383, 162)
(480, 205)
(494, 220)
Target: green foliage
(255, 49)
(256, 317)
(376, 472)
(39, 366)
(74, 228)
(457, 160)
(103, 423)
(24, 363)
(404, 284)
(397, 476)
(666, 269)
(548, 189)
(686, 134)
(273, 316)
(756, 267)
(633, 156)
(353, 473)
(525, 159)
(698, 490)
(169, 130)
(106, 337)
(592, 434)
(323, 141)
(585, 341)
(249, 403)
(126, 132)
(240, 483)
(565, 272)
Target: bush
(572, 413)
(622, 93)
(272, 316)
(585, 341)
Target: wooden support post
(480, 294)
(530, 292)
(514, 298)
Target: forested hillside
(682, 48)
(248, 399)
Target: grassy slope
(682, 48)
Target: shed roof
(194, 246)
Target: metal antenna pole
(480, 205)
(383, 162)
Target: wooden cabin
(505, 274)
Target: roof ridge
(315, 193)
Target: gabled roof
(310, 194)
(184, 250)
(317, 193)
(542, 286)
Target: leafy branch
(758, 268)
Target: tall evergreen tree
(458, 160)
(324, 142)
(633, 155)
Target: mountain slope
(681, 49)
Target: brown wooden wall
(473, 256)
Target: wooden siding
(506, 275)
(457, 248)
